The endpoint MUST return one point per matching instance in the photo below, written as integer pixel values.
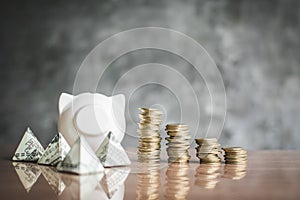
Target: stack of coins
(235, 155)
(178, 142)
(149, 135)
(207, 150)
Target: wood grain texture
(269, 175)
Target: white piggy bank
(92, 116)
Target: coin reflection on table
(53, 178)
(148, 182)
(28, 173)
(177, 181)
(207, 175)
(235, 171)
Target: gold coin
(148, 111)
(148, 150)
(183, 151)
(149, 156)
(206, 139)
(150, 117)
(172, 146)
(179, 135)
(181, 155)
(207, 148)
(177, 148)
(206, 152)
(236, 153)
(171, 126)
(229, 149)
(155, 152)
(149, 145)
(174, 131)
(209, 145)
(179, 132)
(150, 140)
(234, 156)
(149, 133)
(154, 122)
(150, 153)
(148, 126)
(175, 139)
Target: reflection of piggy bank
(92, 116)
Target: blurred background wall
(255, 44)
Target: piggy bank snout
(92, 120)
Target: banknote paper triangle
(28, 174)
(81, 159)
(111, 153)
(29, 149)
(55, 151)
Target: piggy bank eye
(92, 120)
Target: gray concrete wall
(255, 44)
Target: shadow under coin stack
(149, 135)
(207, 150)
(235, 155)
(178, 142)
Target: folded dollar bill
(29, 148)
(55, 151)
(81, 159)
(111, 153)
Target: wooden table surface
(268, 175)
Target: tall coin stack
(149, 135)
(235, 155)
(178, 142)
(207, 150)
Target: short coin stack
(149, 135)
(235, 155)
(207, 151)
(178, 142)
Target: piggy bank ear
(63, 101)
